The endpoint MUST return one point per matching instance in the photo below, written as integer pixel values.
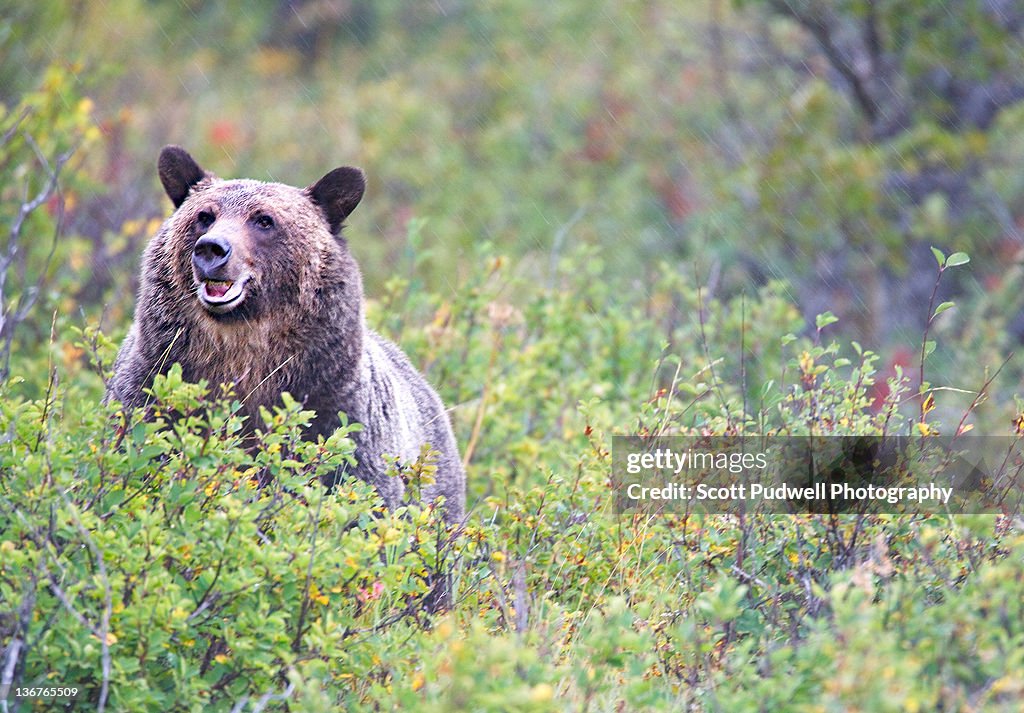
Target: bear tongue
(217, 289)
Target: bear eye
(263, 221)
(205, 219)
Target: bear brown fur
(252, 284)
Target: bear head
(244, 249)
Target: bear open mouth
(219, 296)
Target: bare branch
(11, 315)
(13, 129)
(102, 630)
(821, 28)
(264, 700)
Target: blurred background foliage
(825, 144)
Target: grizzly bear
(252, 284)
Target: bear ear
(338, 193)
(179, 173)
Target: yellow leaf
(929, 404)
(806, 362)
(111, 639)
(541, 693)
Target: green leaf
(939, 256)
(957, 259)
(943, 307)
(825, 319)
(929, 347)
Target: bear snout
(220, 277)
(210, 256)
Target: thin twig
(707, 353)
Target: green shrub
(144, 558)
(147, 551)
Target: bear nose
(210, 254)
